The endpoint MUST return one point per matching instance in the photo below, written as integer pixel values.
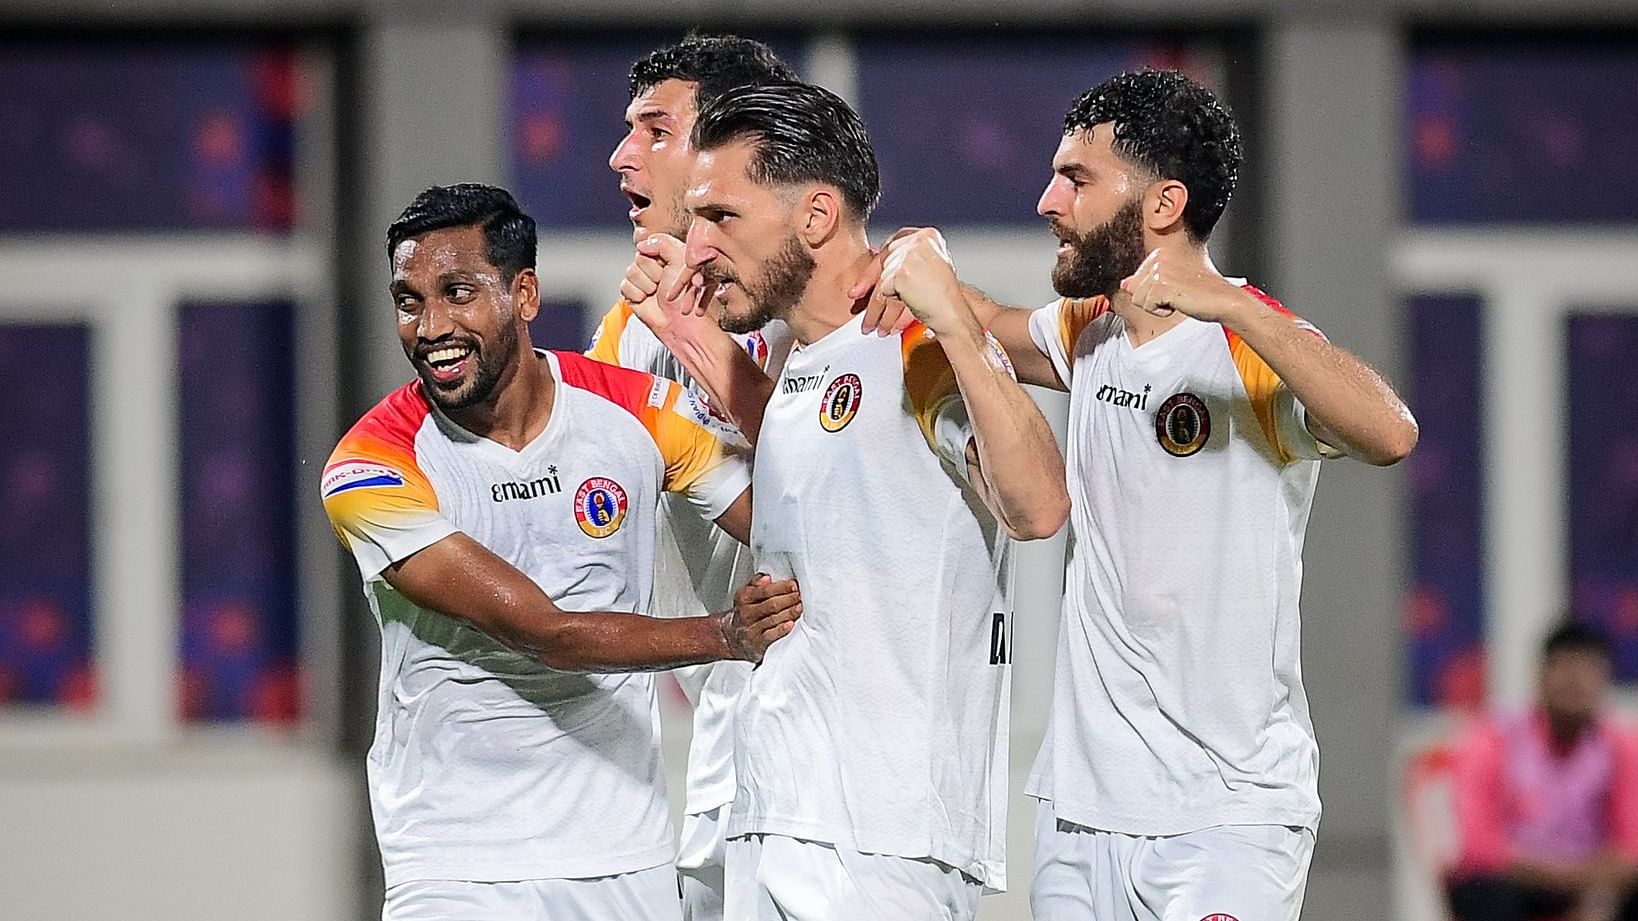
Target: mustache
(713, 275)
(1063, 233)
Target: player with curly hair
(1178, 780)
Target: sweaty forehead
(672, 98)
(1088, 148)
(719, 174)
(452, 249)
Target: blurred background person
(1547, 800)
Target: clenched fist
(916, 268)
(1187, 284)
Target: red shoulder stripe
(631, 390)
(1279, 308)
(391, 423)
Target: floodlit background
(193, 196)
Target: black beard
(1103, 257)
(491, 365)
(783, 281)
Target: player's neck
(825, 307)
(1141, 325)
(518, 409)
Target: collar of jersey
(495, 448)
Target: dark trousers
(1491, 898)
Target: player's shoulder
(1276, 305)
(379, 449)
(390, 424)
(631, 390)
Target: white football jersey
(1179, 702)
(708, 565)
(487, 765)
(880, 724)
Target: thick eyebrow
(712, 206)
(1072, 170)
(654, 115)
(459, 276)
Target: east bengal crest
(599, 506)
(841, 402)
(1183, 424)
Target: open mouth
(1066, 242)
(639, 202)
(449, 363)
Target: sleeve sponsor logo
(757, 348)
(351, 475)
(657, 392)
(998, 356)
(696, 408)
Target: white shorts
(1225, 873)
(644, 895)
(700, 860)
(774, 878)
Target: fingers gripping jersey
(487, 765)
(1178, 701)
(699, 565)
(880, 724)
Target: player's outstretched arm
(669, 297)
(1013, 459)
(884, 315)
(462, 579)
(1349, 405)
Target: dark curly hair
(716, 63)
(802, 133)
(508, 233)
(1174, 128)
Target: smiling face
(743, 239)
(1094, 206)
(458, 318)
(654, 157)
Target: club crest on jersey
(1183, 424)
(359, 475)
(841, 402)
(599, 506)
(1219, 917)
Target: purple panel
(1522, 128)
(965, 125)
(162, 135)
(239, 629)
(566, 106)
(1603, 465)
(45, 502)
(560, 325)
(1444, 614)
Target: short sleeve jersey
(699, 565)
(1179, 701)
(880, 723)
(487, 765)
